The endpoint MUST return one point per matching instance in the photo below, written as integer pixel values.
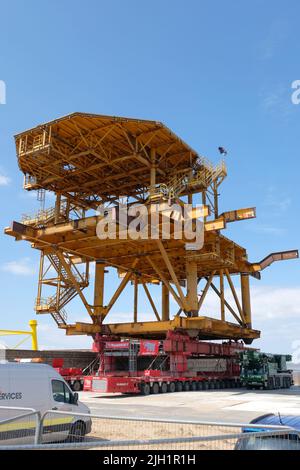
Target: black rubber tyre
(271, 384)
(77, 432)
(200, 385)
(145, 389)
(205, 385)
(76, 387)
(194, 386)
(172, 387)
(155, 388)
(186, 386)
(179, 387)
(163, 388)
(284, 382)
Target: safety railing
(21, 424)
(66, 430)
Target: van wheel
(77, 432)
(76, 387)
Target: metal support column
(136, 291)
(165, 296)
(57, 208)
(246, 304)
(41, 275)
(216, 201)
(222, 295)
(192, 288)
(152, 171)
(99, 287)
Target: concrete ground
(235, 406)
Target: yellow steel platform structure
(88, 159)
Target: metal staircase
(65, 290)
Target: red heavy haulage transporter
(74, 376)
(175, 364)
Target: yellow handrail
(32, 333)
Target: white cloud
(51, 337)
(280, 303)
(269, 229)
(4, 180)
(279, 204)
(20, 267)
(268, 302)
(127, 317)
(274, 39)
(276, 102)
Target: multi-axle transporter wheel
(172, 387)
(155, 388)
(76, 387)
(270, 384)
(194, 386)
(145, 389)
(286, 382)
(200, 385)
(186, 386)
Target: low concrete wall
(72, 357)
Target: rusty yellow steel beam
(203, 326)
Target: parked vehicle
(290, 441)
(267, 371)
(178, 363)
(40, 387)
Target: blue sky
(217, 73)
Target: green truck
(265, 371)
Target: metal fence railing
(63, 430)
(19, 424)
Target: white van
(40, 387)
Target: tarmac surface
(228, 406)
